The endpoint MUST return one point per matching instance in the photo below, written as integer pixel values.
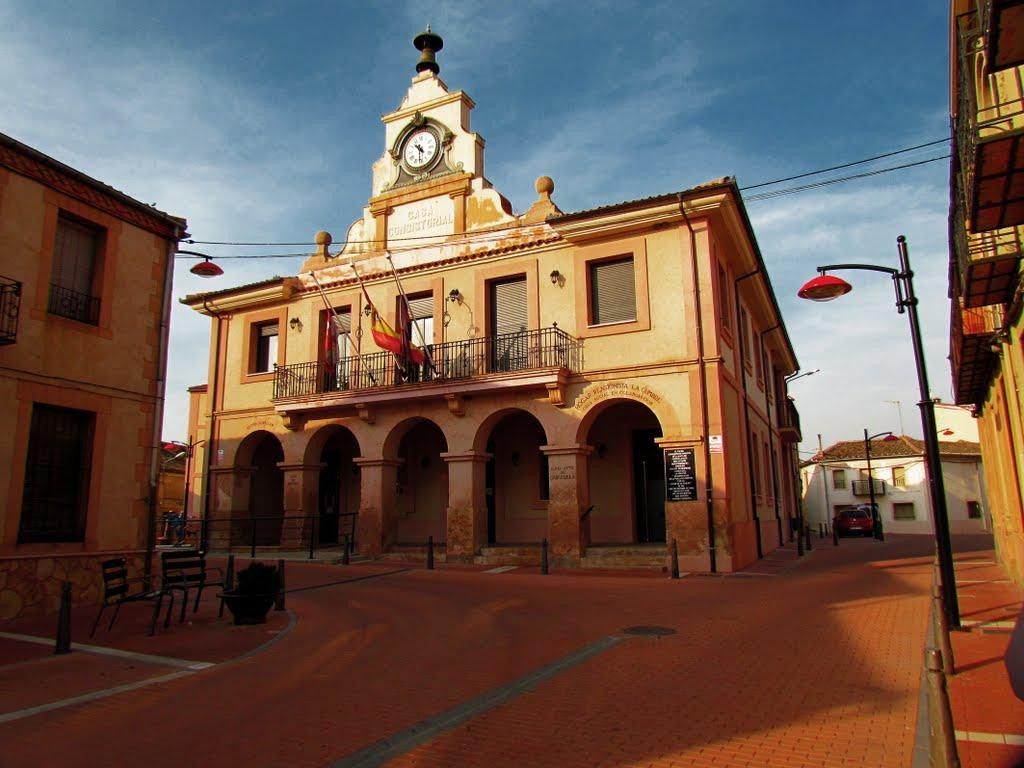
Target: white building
(837, 478)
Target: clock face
(420, 149)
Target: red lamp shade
(889, 438)
(824, 288)
(206, 268)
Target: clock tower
(428, 186)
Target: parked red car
(851, 522)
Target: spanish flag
(394, 342)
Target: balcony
(73, 305)
(989, 132)
(529, 359)
(1002, 26)
(789, 423)
(987, 261)
(970, 346)
(861, 487)
(10, 303)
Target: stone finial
(428, 43)
(544, 205)
(323, 239)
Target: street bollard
(229, 573)
(942, 631)
(799, 539)
(63, 644)
(835, 536)
(940, 718)
(544, 557)
(430, 553)
(675, 560)
(279, 599)
(821, 530)
(312, 538)
(344, 554)
(252, 549)
(807, 537)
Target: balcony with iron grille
(987, 262)
(972, 332)
(73, 305)
(10, 304)
(1001, 22)
(789, 423)
(540, 359)
(989, 134)
(861, 487)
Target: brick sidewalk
(985, 709)
(813, 665)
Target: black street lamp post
(827, 287)
(876, 516)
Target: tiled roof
(664, 198)
(853, 450)
(192, 298)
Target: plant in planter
(256, 587)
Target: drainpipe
(158, 409)
(702, 368)
(771, 440)
(746, 405)
(210, 442)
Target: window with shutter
(422, 306)
(509, 323)
(266, 347)
(57, 469)
(75, 254)
(612, 292)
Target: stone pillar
(229, 500)
(466, 520)
(378, 507)
(301, 490)
(569, 498)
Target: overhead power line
(750, 199)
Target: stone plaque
(425, 218)
(680, 475)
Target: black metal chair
(118, 589)
(184, 570)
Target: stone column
(228, 501)
(569, 498)
(378, 507)
(467, 505)
(301, 490)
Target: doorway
(649, 486)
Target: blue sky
(259, 122)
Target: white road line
(502, 569)
(1011, 739)
(993, 624)
(146, 658)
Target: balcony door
(507, 324)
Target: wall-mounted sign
(715, 443)
(680, 475)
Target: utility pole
(824, 478)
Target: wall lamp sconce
(455, 296)
(555, 276)
(295, 324)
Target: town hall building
(609, 380)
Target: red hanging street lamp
(204, 268)
(827, 287)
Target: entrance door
(649, 479)
(492, 524)
(330, 498)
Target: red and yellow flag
(388, 338)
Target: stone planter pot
(249, 608)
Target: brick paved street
(810, 662)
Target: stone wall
(30, 586)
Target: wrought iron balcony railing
(861, 487)
(10, 303)
(972, 332)
(987, 262)
(450, 361)
(74, 305)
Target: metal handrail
(73, 305)
(452, 360)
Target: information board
(680, 475)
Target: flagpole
(367, 297)
(408, 309)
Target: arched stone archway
(516, 482)
(334, 448)
(626, 473)
(421, 482)
(260, 520)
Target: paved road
(817, 664)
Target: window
(509, 322)
(745, 335)
(899, 477)
(839, 479)
(612, 292)
(758, 356)
(973, 510)
(265, 339)
(903, 511)
(57, 469)
(422, 306)
(76, 252)
(756, 471)
(769, 491)
(723, 299)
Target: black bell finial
(428, 44)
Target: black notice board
(680, 475)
